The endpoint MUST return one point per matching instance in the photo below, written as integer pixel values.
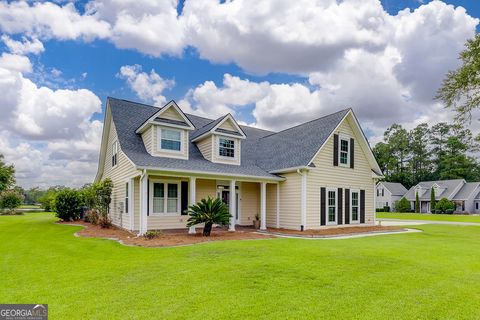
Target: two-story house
(315, 175)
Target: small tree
(103, 191)
(68, 205)
(403, 205)
(208, 211)
(444, 205)
(7, 175)
(417, 203)
(432, 200)
(11, 200)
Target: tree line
(425, 153)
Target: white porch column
(143, 203)
(131, 202)
(375, 202)
(263, 206)
(278, 205)
(192, 198)
(232, 205)
(303, 208)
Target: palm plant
(208, 211)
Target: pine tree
(432, 200)
(417, 203)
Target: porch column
(143, 203)
(232, 205)
(263, 206)
(375, 202)
(192, 198)
(278, 205)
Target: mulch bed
(335, 231)
(167, 238)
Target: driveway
(401, 222)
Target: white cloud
(23, 47)
(15, 62)
(148, 86)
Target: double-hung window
(165, 198)
(127, 195)
(114, 154)
(226, 147)
(331, 206)
(344, 152)
(355, 211)
(170, 139)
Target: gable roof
(157, 118)
(467, 191)
(214, 127)
(395, 188)
(451, 187)
(263, 151)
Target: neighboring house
(464, 194)
(318, 174)
(388, 193)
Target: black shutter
(362, 206)
(340, 206)
(352, 153)
(335, 150)
(323, 211)
(347, 206)
(184, 196)
(148, 197)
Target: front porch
(160, 200)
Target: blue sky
(269, 68)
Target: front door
(225, 196)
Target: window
(378, 192)
(165, 198)
(226, 148)
(126, 197)
(171, 139)
(476, 205)
(114, 154)
(354, 206)
(383, 192)
(332, 206)
(344, 152)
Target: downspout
(303, 199)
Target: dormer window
(170, 139)
(344, 152)
(226, 148)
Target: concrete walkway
(338, 236)
(401, 222)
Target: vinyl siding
(163, 153)
(326, 175)
(249, 202)
(290, 194)
(271, 205)
(119, 176)
(172, 114)
(147, 137)
(218, 159)
(228, 125)
(205, 147)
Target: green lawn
(429, 275)
(424, 216)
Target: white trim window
(354, 206)
(226, 147)
(127, 198)
(332, 208)
(344, 152)
(170, 140)
(165, 197)
(114, 154)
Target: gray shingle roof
(262, 150)
(466, 191)
(395, 188)
(451, 188)
(170, 121)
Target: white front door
(223, 193)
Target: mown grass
(429, 275)
(427, 216)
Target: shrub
(379, 209)
(91, 216)
(402, 205)
(449, 211)
(10, 200)
(152, 234)
(104, 221)
(386, 209)
(209, 211)
(444, 205)
(68, 205)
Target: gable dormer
(166, 133)
(220, 141)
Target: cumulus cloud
(148, 86)
(23, 47)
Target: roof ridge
(301, 124)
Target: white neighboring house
(465, 195)
(388, 193)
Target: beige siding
(172, 114)
(205, 188)
(326, 175)
(290, 196)
(228, 125)
(119, 175)
(205, 147)
(249, 202)
(218, 159)
(271, 205)
(147, 137)
(183, 154)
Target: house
(388, 193)
(464, 194)
(315, 175)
